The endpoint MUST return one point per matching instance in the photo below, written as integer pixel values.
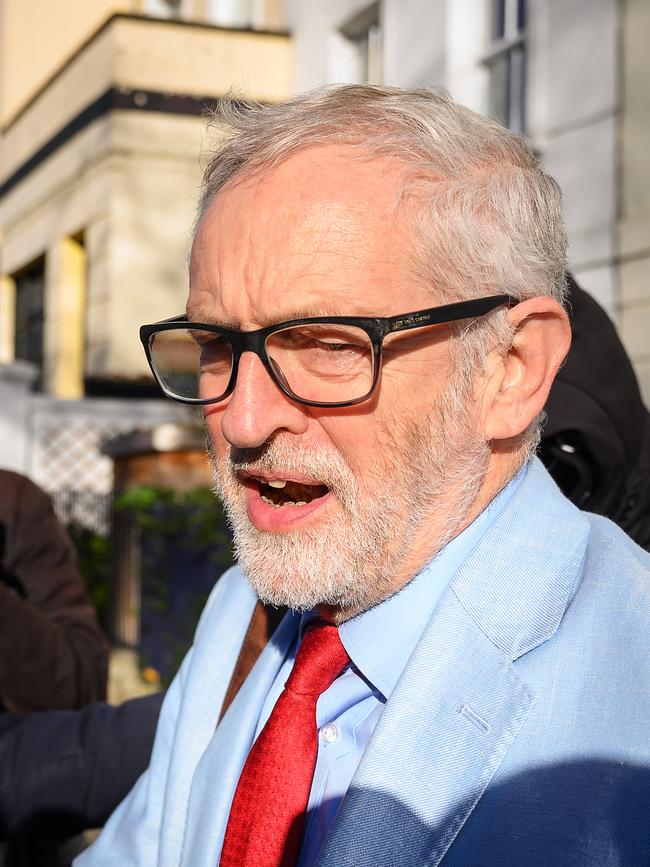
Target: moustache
(327, 466)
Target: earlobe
(523, 378)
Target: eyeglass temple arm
(448, 313)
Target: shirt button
(329, 733)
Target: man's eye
(333, 346)
(215, 350)
(315, 340)
(333, 343)
(201, 338)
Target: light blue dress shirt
(379, 643)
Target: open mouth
(281, 492)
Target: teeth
(277, 483)
(280, 505)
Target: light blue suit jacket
(518, 734)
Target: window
(230, 13)
(506, 62)
(162, 8)
(30, 294)
(363, 33)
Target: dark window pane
(499, 94)
(30, 291)
(517, 109)
(521, 15)
(498, 18)
(507, 88)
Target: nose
(257, 408)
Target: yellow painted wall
(37, 36)
(65, 265)
(7, 317)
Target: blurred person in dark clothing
(596, 441)
(62, 772)
(52, 651)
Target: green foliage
(94, 557)
(184, 548)
(194, 518)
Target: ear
(519, 379)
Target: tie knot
(320, 659)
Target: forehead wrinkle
(312, 311)
(286, 245)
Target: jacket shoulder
(611, 603)
(612, 553)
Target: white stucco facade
(575, 53)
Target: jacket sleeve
(132, 833)
(52, 651)
(64, 771)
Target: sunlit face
(331, 506)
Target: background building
(571, 74)
(101, 112)
(101, 131)
(102, 127)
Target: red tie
(268, 810)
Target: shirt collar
(400, 619)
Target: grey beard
(335, 563)
(350, 560)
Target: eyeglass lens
(320, 362)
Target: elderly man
(373, 325)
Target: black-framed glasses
(320, 361)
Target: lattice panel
(67, 453)
(66, 438)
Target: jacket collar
(518, 581)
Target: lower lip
(275, 519)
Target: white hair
(487, 218)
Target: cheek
(212, 420)
(404, 406)
(367, 445)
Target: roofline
(126, 16)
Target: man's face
(373, 490)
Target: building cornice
(171, 22)
(111, 100)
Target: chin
(303, 573)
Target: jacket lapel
(461, 702)
(443, 733)
(218, 772)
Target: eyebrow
(310, 312)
